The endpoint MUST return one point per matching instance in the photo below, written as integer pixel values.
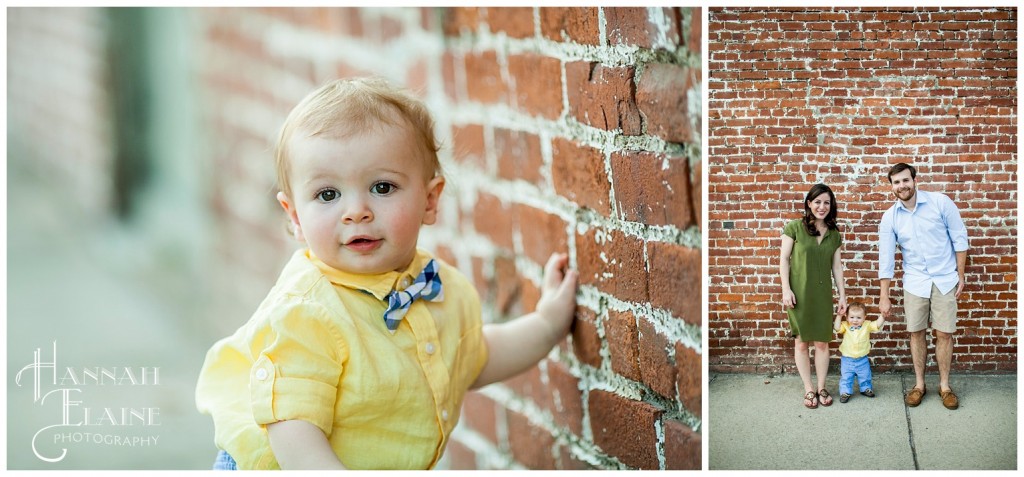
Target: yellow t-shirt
(856, 343)
(317, 350)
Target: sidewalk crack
(910, 426)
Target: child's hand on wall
(557, 303)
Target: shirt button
(429, 348)
(406, 281)
(444, 415)
(261, 374)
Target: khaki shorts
(941, 309)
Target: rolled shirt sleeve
(296, 373)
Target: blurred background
(142, 224)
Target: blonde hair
(856, 305)
(344, 107)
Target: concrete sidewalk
(759, 422)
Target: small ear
(293, 216)
(434, 189)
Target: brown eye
(383, 188)
(327, 195)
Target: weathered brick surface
(625, 428)
(579, 25)
(663, 98)
(623, 343)
(837, 95)
(682, 447)
(602, 96)
(579, 174)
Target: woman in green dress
(808, 265)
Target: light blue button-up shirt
(929, 237)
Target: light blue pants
(851, 367)
(224, 462)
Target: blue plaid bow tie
(854, 328)
(426, 286)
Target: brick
(567, 461)
(657, 369)
(675, 272)
(586, 344)
(506, 285)
(603, 96)
(493, 220)
(623, 343)
(682, 447)
(459, 20)
(568, 399)
(484, 82)
(448, 65)
(663, 98)
(529, 295)
(480, 282)
(542, 233)
(519, 155)
(468, 145)
(629, 26)
(579, 175)
(479, 413)
(652, 189)
(530, 445)
(529, 385)
(614, 263)
(624, 428)
(696, 193)
(460, 457)
(695, 39)
(674, 18)
(578, 25)
(689, 377)
(516, 22)
(389, 29)
(538, 84)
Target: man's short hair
(900, 167)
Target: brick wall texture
(563, 129)
(836, 95)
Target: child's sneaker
(844, 397)
(868, 393)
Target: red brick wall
(800, 96)
(573, 130)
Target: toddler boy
(361, 354)
(856, 344)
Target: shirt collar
(378, 285)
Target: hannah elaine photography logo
(64, 391)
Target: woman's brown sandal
(813, 398)
(823, 395)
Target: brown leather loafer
(949, 399)
(915, 396)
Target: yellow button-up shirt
(856, 343)
(317, 350)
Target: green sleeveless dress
(810, 277)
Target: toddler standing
(856, 344)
